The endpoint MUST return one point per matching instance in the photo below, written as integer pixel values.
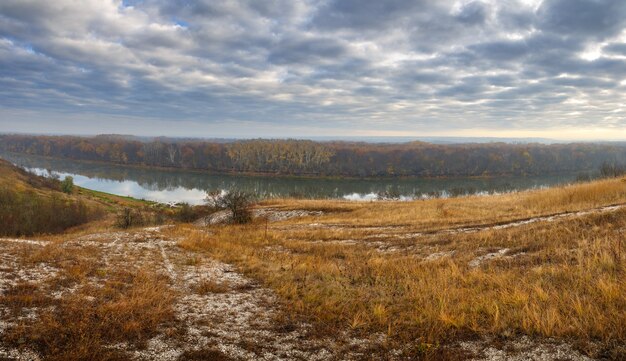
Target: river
(173, 186)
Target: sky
(301, 68)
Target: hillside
(31, 204)
(34, 205)
(531, 275)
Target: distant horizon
(437, 139)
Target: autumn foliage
(304, 157)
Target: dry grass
(436, 214)
(366, 268)
(84, 307)
(561, 279)
(209, 286)
(129, 308)
(204, 355)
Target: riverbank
(181, 186)
(311, 176)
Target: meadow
(528, 275)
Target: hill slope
(534, 275)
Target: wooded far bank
(343, 159)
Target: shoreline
(293, 176)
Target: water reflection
(188, 186)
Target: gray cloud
(585, 18)
(474, 12)
(616, 48)
(307, 50)
(370, 66)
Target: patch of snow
(439, 255)
(489, 256)
(24, 241)
(524, 349)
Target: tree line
(309, 158)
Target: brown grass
(23, 295)
(204, 355)
(100, 305)
(206, 286)
(559, 279)
(130, 307)
(436, 214)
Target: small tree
(67, 185)
(238, 202)
(612, 170)
(128, 218)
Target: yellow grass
(560, 279)
(444, 213)
(363, 268)
(108, 306)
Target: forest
(340, 159)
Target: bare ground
(221, 314)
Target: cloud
(332, 65)
(616, 48)
(474, 12)
(598, 19)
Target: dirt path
(401, 233)
(525, 221)
(221, 314)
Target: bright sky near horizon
(298, 68)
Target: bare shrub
(187, 213)
(612, 170)
(129, 217)
(390, 193)
(238, 202)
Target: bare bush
(612, 170)
(390, 193)
(238, 202)
(129, 217)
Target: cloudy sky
(511, 68)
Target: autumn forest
(309, 158)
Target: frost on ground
(227, 314)
(523, 349)
(220, 313)
(489, 256)
(13, 275)
(271, 214)
(439, 255)
(400, 233)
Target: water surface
(172, 186)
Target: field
(535, 275)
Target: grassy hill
(31, 204)
(548, 264)
(529, 275)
